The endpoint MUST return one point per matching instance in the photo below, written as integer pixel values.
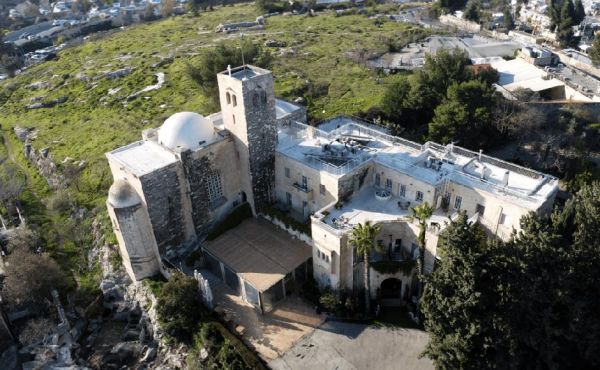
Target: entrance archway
(391, 288)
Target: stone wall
(262, 139)
(162, 193)
(298, 115)
(197, 172)
(353, 182)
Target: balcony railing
(302, 188)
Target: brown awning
(259, 252)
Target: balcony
(302, 188)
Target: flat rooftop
(284, 108)
(365, 206)
(142, 157)
(260, 252)
(245, 72)
(340, 145)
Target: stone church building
(181, 179)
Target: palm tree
(422, 213)
(363, 239)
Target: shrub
(210, 336)
(288, 221)
(226, 351)
(59, 202)
(179, 309)
(30, 279)
(328, 300)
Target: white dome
(186, 130)
(122, 195)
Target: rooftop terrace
(369, 205)
(340, 145)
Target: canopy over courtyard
(264, 258)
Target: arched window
(234, 100)
(228, 96)
(255, 99)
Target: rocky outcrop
(42, 160)
(47, 104)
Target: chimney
(505, 179)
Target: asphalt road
(345, 346)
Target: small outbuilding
(259, 261)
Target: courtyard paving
(272, 334)
(343, 346)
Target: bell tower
(248, 106)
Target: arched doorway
(391, 288)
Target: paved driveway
(340, 346)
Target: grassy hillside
(97, 117)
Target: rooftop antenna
(243, 61)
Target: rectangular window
(322, 189)
(304, 182)
(457, 202)
(287, 172)
(480, 209)
(419, 196)
(377, 179)
(388, 184)
(288, 199)
(503, 219)
(214, 187)
(402, 190)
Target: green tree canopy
(579, 12)
(594, 51)
(466, 115)
(472, 11)
(452, 5)
(395, 102)
(439, 72)
(531, 302)
(179, 309)
(568, 19)
(509, 22)
(459, 301)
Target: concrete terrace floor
(271, 334)
(339, 346)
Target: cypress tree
(579, 12)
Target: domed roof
(186, 130)
(122, 195)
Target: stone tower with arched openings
(248, 107)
